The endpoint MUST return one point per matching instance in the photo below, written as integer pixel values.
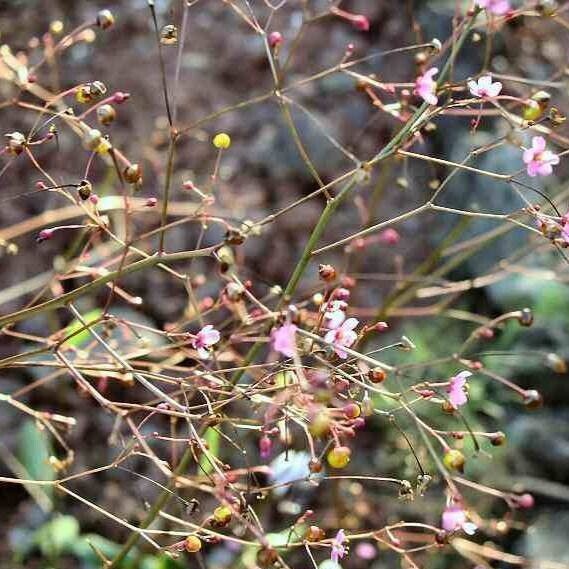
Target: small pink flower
(426, 86)
(538, 160)
(205, 338)
(342, 337)
(338, 548)
(484, 88)
(359, 21)
(275, 39)
(335, 313)
(44, 235)
(454, 518)
(456, 389)
(283, 339)
(389, 236)
(366, 550)
(498, 7)
(265, 447)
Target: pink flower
(498, 7)
(456, 389)
(366, 550)
(389, 236)
(335, 313)
(343, 336)
(283, 339)
(538, 160)
(426, 86)
(454, 518)
(205, 338)
(338, 549)
(484, 88)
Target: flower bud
(151, 202)
(193, 544)
(339, 457)
(120, 97)
(524, 501)
(105, 19)
(44, 235)
(389, 236)
(275, 39)
(454, 460)
(265, 447)
(106, 114)
(327, 273)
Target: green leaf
(82, 337)
(57, 536)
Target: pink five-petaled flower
(454, 518)
(338, 548)
(342, 337)
(426, 86)
(283, 339)
(538, 160)
(484, 88)
(205, 338)
(456, 389)
(497, 7)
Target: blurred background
(224, 63)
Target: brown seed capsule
(234, 237)
(84, 189)
(314, 533)
(105, 19)
(266, 557)
(169, 35)
(315, 466)
(448, 407)
(193, 544)
(526, 317)
(16, 143)
(106, 114)
(327, 273)
(556, 363)
(533, 399)
(133, 173)
(377, 375)
(498, 439)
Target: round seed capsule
(106, 114)
(222, 141)
(339, 457)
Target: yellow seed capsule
(454, 460)
(339, 457)
(106, 114)
(222, 515)
(193, 544)
(56, 27)
(105, 19)
(222, 140)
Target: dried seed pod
(106, 114)
(266, 557)
(533, 399)
(526, 317)
(92, 139)
(133, 173)
(84, 189)
(234, 237)
(314, 533)
(327, 273)
(16, 143)
(377, 375)
(105, 19)
(169, 35)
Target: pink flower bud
(524, 501)
(120, 97)
(44, 235)
(275, 39)
(342, 294)
(389, 236)
(94, 199)
(380, 326)
(265, 447)
(360, 22)
(188, 185)
(151, 202)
